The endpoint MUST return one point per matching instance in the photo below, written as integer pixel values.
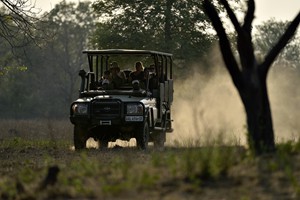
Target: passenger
(106, 82)
(151, 68)
(117, 77)
(106, 76)
(138, 74)
(112, 68)
(121, 74)
(155, 79)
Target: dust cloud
(207, 108)
(284, 93)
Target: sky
(265, 9)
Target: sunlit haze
(265, 9)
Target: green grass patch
(95, 173)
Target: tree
(18, 18)
(268, 33)
(249, 76)
(168, 25)
(70, 25)
(50, 82)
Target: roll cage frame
(98, 61)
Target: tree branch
(232, 16)
(271, 56)
(228, 56)
(18, 20)
(244, 40)
(249, 16)
(245, 46)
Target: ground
(204, 172)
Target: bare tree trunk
(249, 77)
(259, 118)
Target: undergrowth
(95, 173)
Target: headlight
(80, 108)
(134, 109)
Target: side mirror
(82, 74)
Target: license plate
(105, 122)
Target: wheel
(142, 136)
(160, 136)
(80, 137)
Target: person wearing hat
(117, 76)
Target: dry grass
(36, 129)
(213, 171)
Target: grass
(212, 171)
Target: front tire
(80, 137)
(142, 137)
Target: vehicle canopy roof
(126, 51)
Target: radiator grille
(106, 108)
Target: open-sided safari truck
(107, 111)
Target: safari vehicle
(137, 109)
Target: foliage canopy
(172, 26)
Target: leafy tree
(18, 18)
(169, 25)
(70, 24)
(268, 33)
(18, 28)
(49, 82)
(249, 76)
(14, 94)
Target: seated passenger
(106, 82)
(138, 74)
(155, 78)
(151, 68)
(117, 76)
(121, 74)
(106, 76)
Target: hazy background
(206, 105)
(209, 107)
